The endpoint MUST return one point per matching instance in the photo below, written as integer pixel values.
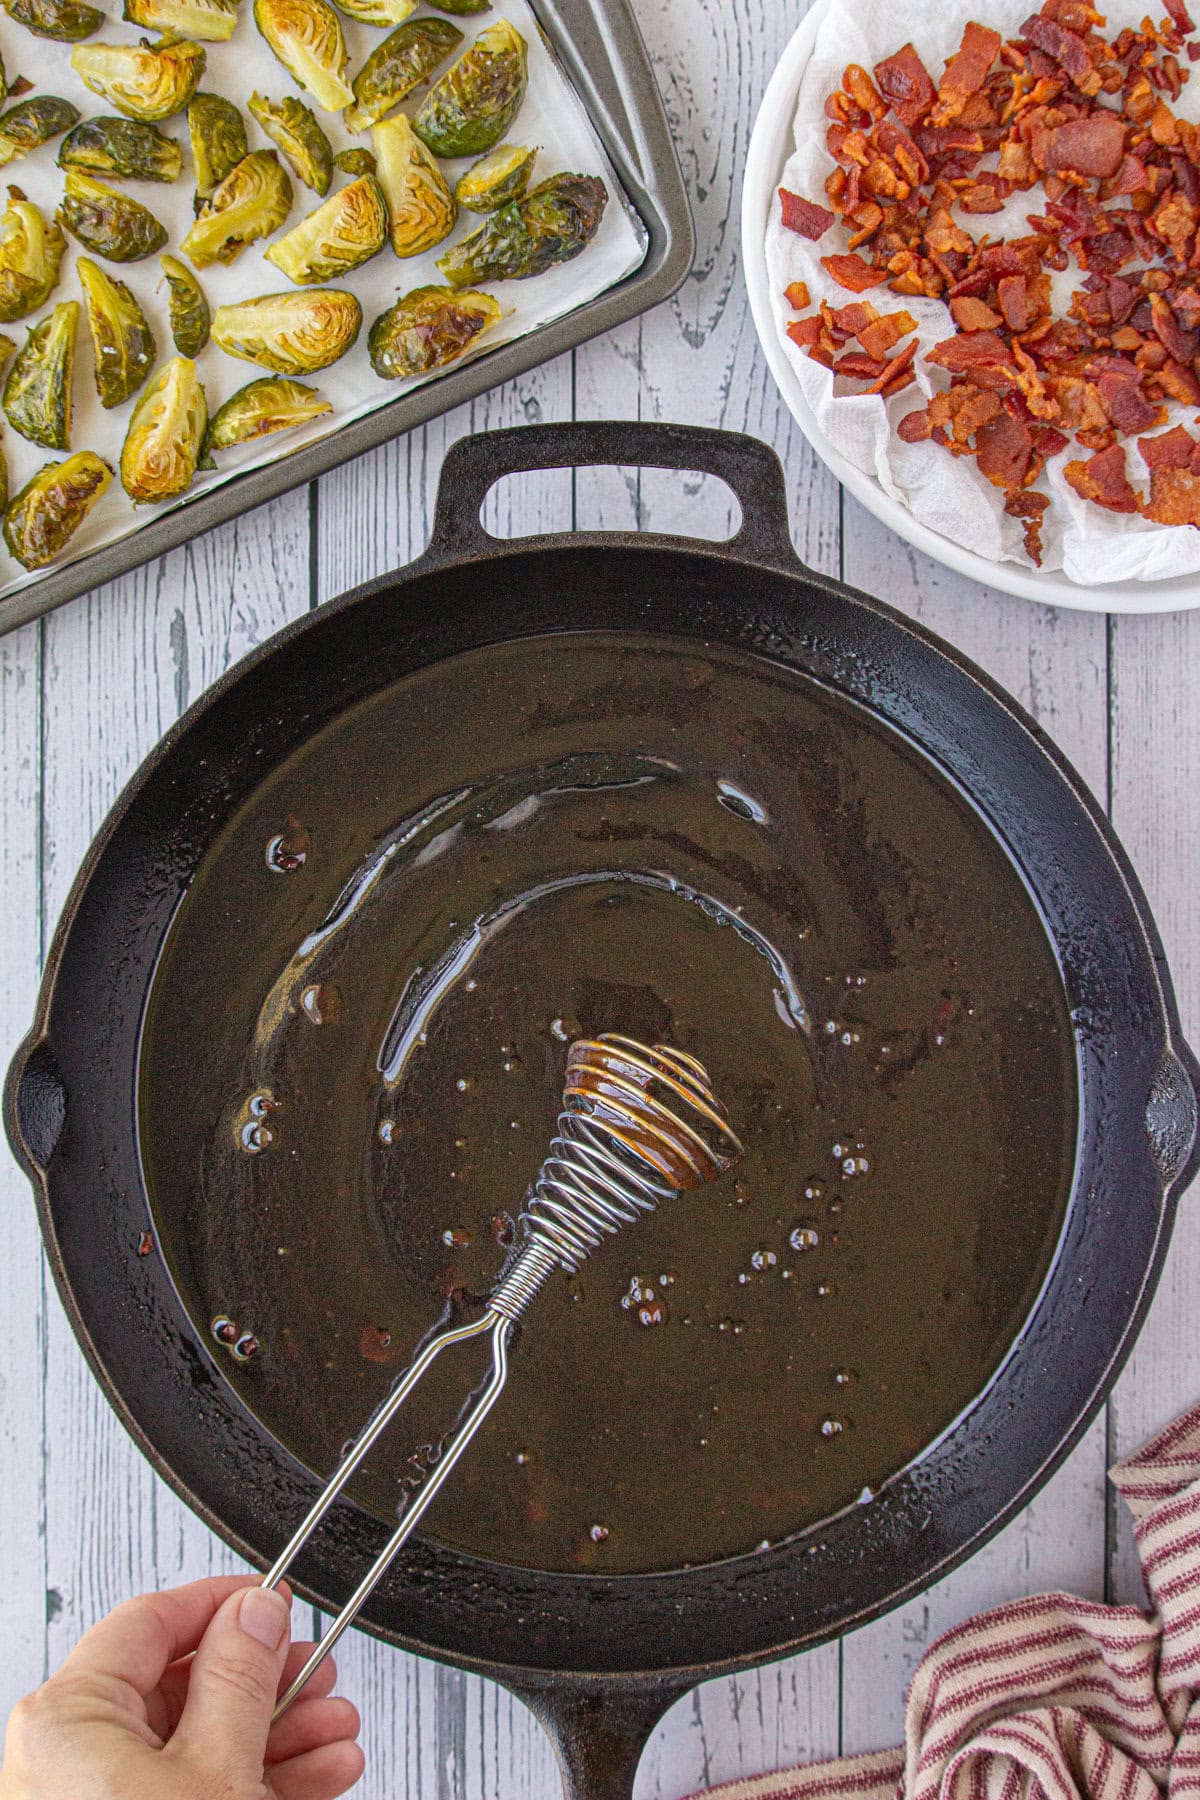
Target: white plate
(770, 147)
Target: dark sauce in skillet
(353, 1058)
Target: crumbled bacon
(1085, 125)
(1102, 478)
(805, 216)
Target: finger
(318, 1774)
(233, 1686)
(137, 1640)
(309, 1724)
(165, 1708)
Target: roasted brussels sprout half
(500, 176)
(166, 430)
(250, 203)
(394, 68)
(552, 224)
(378, 12)
(469, 110)
(30, 253)
(7, 347)
(212, 20)
(124, 148)
(187, 307)
(346, 230)
(112, 224)
(461, 7)
(306, 36)
(293, 128)
(427, 328)
(143, 81)
(294, 334)
(64, 20)
(3, 480)
(421, 208)
(49, 510)
(37, 393)
(355, 162)
(218, 139)
(272, 403)
(122, 341)
(3, 82)
(32, 122)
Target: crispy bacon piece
(915, 427)
(966, 72)
(971, 314)
(797, 295)
(1174, 449)
(970, 350)
(1102, 478)
(882, 334)
(888, 378)
(1094, 145)
(1174, 497)
(1119, 388)
(805, 216)
(1003, 449)
(903, 81)
(1012, 297)
(806, 331)
(1028, 505)
(853, 273)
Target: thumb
(233, 1685)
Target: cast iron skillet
(600, 1658)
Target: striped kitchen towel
(1055, 1698)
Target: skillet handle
(35, 1105)
(599, 1732)
(473, 465)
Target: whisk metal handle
(525, 1278)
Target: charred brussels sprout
(394, 68)
(212, 20)
(32, 122)
(293, 334)
(162, 445)
(500, 176)
(552, 224)
(461, 7)
(250, 203)
(188, 309)
(469, 110)
(378, 12)
(122, 341)
(292, 127)
(421, 208)
(272, 403)
(67, 21)
(355, 162)
(143, 81)
(427, 328)
(218, 140)
(306, 36)
(111, 224)
(124, 148)
(49, 510)
(348, 229)
(37, 394)
(30, 254)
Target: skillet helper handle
(474, 465)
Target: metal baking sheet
(600, 48)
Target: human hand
(133, 1715)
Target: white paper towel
(552, 116)
(947, 493)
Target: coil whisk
(638, 1124)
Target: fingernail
(263, 1615)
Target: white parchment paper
(552, 116)
(946, 492)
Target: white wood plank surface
(86, 693)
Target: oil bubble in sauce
(246, 1346)
(146, 1244)
(288, 850)
(322, 1003)
(224, 1330)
